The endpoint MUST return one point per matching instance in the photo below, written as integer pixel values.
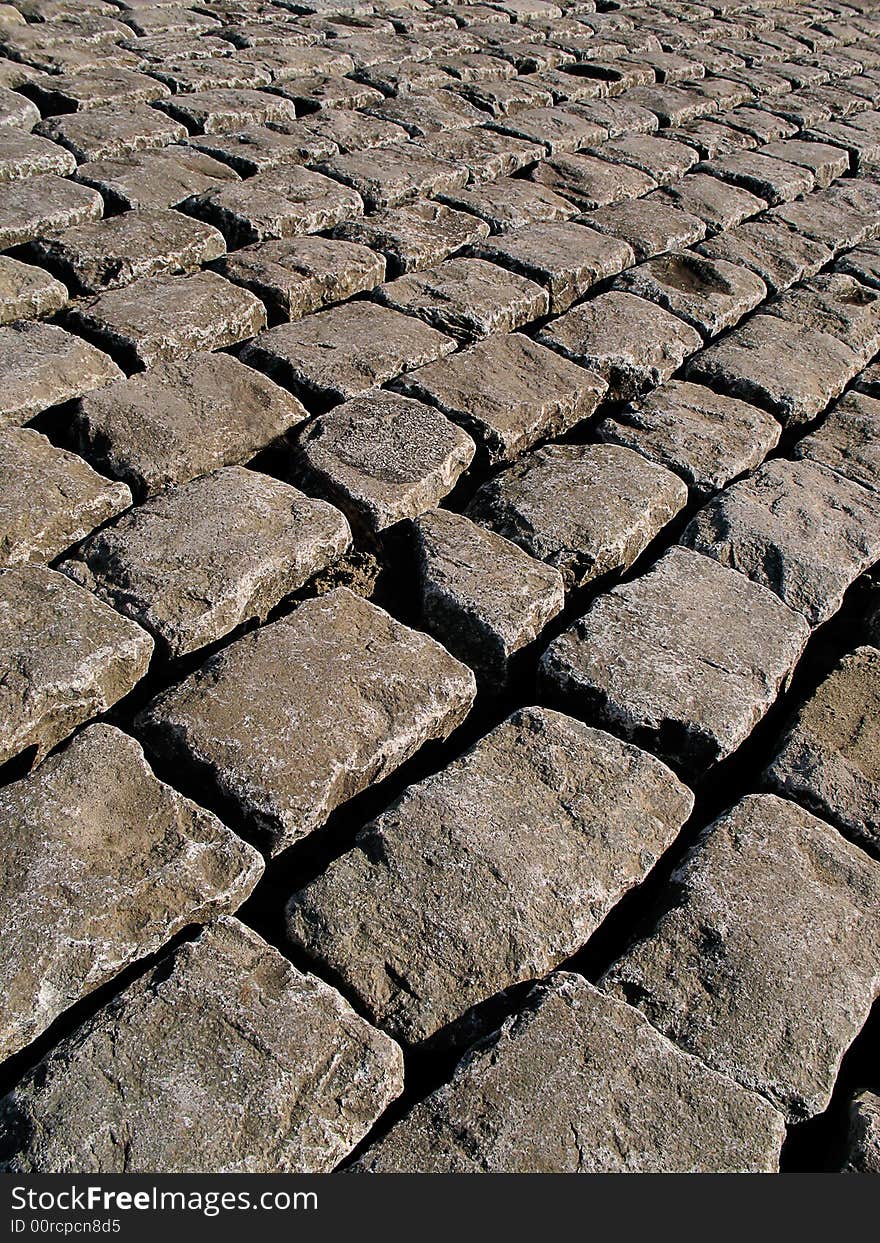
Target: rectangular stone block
(44, 366)
(34, 206)
(161, 178)
(109, 132)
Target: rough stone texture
(485, 153)
(341, 353)
(161, 178)
(631, 343)
(585, 509)
(26, 155)
(705, 437)
(296, 276)
(416, 236)
(711, 975)
(43, 366)
(592, 182)
(528, 852)
(481, 595)
(836, 304)
(467, 298)
(281, 202)
(718, 205)
(863, 263)
(578, 1083)
(508, 392)
(145, 1085)
(565, 258)
(66, 658)
(27, 292)
(775, 181)
(863, 1141)
(181, 420)
(221, 110)
(259, 148)
(49, 498)
(404, 171)
(708, 294)
(77, 92)
(384, 457)
(511, 203)
(198, 560)
(828, 758)
(648, 225)
(110, 132)
(848, 441)
(792, 370)
(165, 318)
(798, 528)
(30, 207)
(776, 253)
(825, 162)
(685, 660)
(110, 253)
(297, 717)
(93, 821)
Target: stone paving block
(827, 758)
(109, 132)
(798, 528)
(705, 437)
(650, 227)
(281, 202)
(775, 252)
(108, 254)
(482, 597)
(619, 117)
(95, 821)
(165, 318)
(633, 344)
(772, 179)
(339, 695)
(408, 78)
(295, 276)
(49, 498)
(80, 92)
(672, 105)
(508, 392)
(66, 657)
(831, 224)
(556, 129)
(790, 369)
(416, 236)
(23, 154)
(258, 148)
(826, 163)
(505, 99)
(708, 294)
(43, 366)
(836, 304)
(467, 298)
(485, 153)
(181, 420)
(662, 159)
(862, 263)
(426, 112)
(585, 509)
(528, 854)
(161, 178)
(862, 145)
(863, 1140)
(711, 138)
(27, 292)
(766, 874)
(405, 171)
(591, 182)
(310, 1077)
(848, 440)
(383, 457)
(762, 125)
(34, 206)
(350, 131)
(16, 112)
(341, 353)
(684, 660)
(185, 77)
(578, 1083)
(511, 203)
(198, 560)
(720, 206)
(218, 111)
(566, 258)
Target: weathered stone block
(416, 236)
(34, 206)
(405, 171)
(293, 719)
(711, 975)
(649, 226)
(528, 849)
(863, 1141)
(511, 203)
(718, 205)
(43, 366)
(836, 304)
(310, 1077)
(109, 132)
(726, 646)
(591, 182)
(221, 110)
(162, 178)
(776, 253)
(708, 294)
(23, 154)
(27, 292)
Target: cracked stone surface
(765, 874)
(585, 509)
(357, 691)
(196, 561)
(685, 660)
(311, 1076)
(517, 1104)
(525, 862)
(69, 657)
(95, 821)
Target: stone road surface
(439, 623)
